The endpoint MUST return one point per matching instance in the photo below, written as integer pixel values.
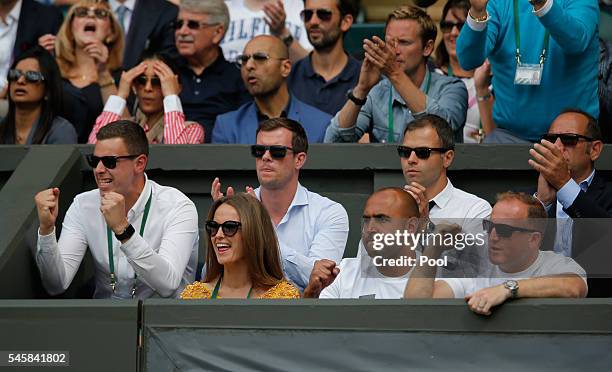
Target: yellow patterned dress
(282, 290)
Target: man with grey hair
(211, 84)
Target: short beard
(328, 41)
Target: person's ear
(428, 48)
(447, 158)
(346, 22)
(218, 34)
(285, 68)
(596, 147)
(300, 160)
(535, 240)
(141, 163)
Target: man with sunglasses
(309, 227)
(211, 85)
(143, 236)
(571, 189)
(264, 67)
(323, 77)
(519, 268)
(410, 89)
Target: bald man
(382, 273)
(264, 67)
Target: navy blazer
(150, 28)
(35, 20)
(240, 126)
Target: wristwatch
(357, 101)
(126, 234)
(512, 286)
(287, 40)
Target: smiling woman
(243, 256)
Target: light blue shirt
(313, 228)
(447, 97)
(565, 198)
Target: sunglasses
(82, 12)
(109, 162)
(30, 76)
(258, 57)
(502, 230)
(421, 152)
(230, 228)
(142, 81)
(276, 151)
(191, 24)
(447, 26)
(567, 139)
(323, 14)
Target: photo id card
(528, 74)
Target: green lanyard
(111, 260)
(391, 132)
(517, 36)
(218, 285)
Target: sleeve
(474, 44)
(58, 262)
(584, 206)
(568, 193)
(572, 25)
(457, 285)
(163, 270)
(334, 133)
(112, 112)
(334, 290)
(329, 243)
(62, 132)
(450, 105)
(567, 265)
(175, 131)
(219, 133)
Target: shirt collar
(445, 195)
(300, 198)
(129, 4)
(584, 185)
(284, 113)
(138, 207)
(14, 14)
(345, 75)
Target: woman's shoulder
(61, 132)
(283, 289)
(196, 290)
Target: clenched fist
(47, 205)
(112, 206)
(323, 274)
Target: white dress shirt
(8, 35)
(164, 260)
(313, 228)
(127, 18)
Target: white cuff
(477, 26)
(545, 9)
(46, 241)
(115, 104)
(172, 103)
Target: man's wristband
(356, 101)
(126, 234)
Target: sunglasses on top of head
(421, 152)
(109, 162)
(191, 24)
(323, 14)
(447, 26)
(143, 79)
(229, 228)
(567, 139)
(503, 230)
(276, 151)
(30, 76)
(82, 12)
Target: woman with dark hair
(479, 119)
(35, 98)
(243, 256)
(159, 111)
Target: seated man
(520, 269)
(309, 226)
(386, 211)
(264, 67)
(130, 261)
(410, 89)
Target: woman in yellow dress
(243, 256)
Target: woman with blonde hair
(243, 256)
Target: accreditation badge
(528, 74)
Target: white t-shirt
(547, 263)
(245, 24)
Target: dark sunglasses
(30, 76)
(502, 230)
(276, 151)
(421, 152)
(230, 228)
(447, 26)
(109, 162)
(191, 24)
(567, 139)
(142, 80)
(258, 57)
(82, 12)
(323, 14)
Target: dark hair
(131, 133)
(535, 212)
(429, 31)
(149, 54)
(442, 57)
(592, 129)
(348, 7)
(51, 103)
(443, 129)
(299, 141)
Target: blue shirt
(569, 77)
(313, 228)
(311, 88)
(446, 97)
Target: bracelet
(483, 19)
(486, 97)
(107, 83)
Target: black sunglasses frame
(82, 12)
(109, 162)
(324, 15)
(503, 230)
(34, 77)
(192, 24)
(143, 79)
(258, 57)
(229, 228)
(567, 139)
(276, 151)
(421, 152)
(447, 26)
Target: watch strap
(356, 101)
(126, 234)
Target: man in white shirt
(309, 226)
(519, 269)
(130, 261)
(386, 211)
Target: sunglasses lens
(193, 25)
(422, 153)
(81, 12)
(260, 57)
(100, 13)
(177, 24)
(211, 228)
(404, 152)
(569, 140)
(306, 15)
(92, 160)
(33, 76)
(13, 75)
(230, 228)
(278, 152)
(324, 14)
(258, 150)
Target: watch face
(511, 284)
